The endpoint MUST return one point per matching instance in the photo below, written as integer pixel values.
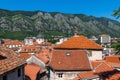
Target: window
(5, 77)
(19, 72)
(60, 75)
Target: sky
(98, 8)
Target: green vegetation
(21, 24)
(52, 37)
(116, 47)
(20, 35)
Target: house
(32, 72)
(30, 49)
(13, 44)
(40, 39)
(66, 64)
(11, 65)
(105, 40)
(114, 61)
(101, 71)
(82, 43)
(28, 41)
(36, 66)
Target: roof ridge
(94, 70)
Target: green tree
(117, 48)
(117, 13)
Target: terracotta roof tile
(9, 60)
(45, 44)
(31, 71)
(100, 68)
(113, 59)
(70, 60)
(86, 74)
(79, 42)
(15, 42)
(35, 43)
(26, 55)
(103, 67)
(114, 64)
(77, 79)
(30, 49)
(115, 76)
(43, 57)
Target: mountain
(19, 24)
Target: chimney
(75, 32)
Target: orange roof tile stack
(31, 71)
(70, 60)
(78, 42)
(9, 60)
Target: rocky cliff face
(64, 23)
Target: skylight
(68, 53)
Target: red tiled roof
(30, 49)
(114, 64)
(77, 79)
(35, 43)
(103, 67)
(15, 42)
(43, 57)
(113, 59)
(86, 74)
(99, 67)
(26, 55)
(45, 44)
(31, 71)
(70, 60)
(115, 76)
(79, 42)
(9, 60)
(96, 63)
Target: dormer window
(68, 53)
